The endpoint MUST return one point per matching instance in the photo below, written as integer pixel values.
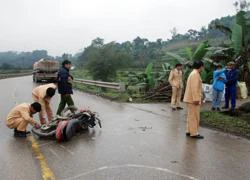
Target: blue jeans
(231, 92)
(217, 96)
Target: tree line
(136, 53)
(25, 60)
(102, 60)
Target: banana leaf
(200, 51)
(246, 35)
(189, 53)
(148, 71)
(163, 76)
(241, 20)
(204, 76)
(206, 59)
(177, 57)
(186, 73)
(237, 39)
(166, 66)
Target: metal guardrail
(117, 86)
(4, 76)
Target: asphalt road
(137, 141)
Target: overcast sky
(69, 25)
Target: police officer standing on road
(193, 97)
(175, 79)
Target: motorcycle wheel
(39, 133)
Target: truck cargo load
(45, 69)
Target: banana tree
(166, 68)
(240, 42)
(149, 75)
(199, 54)
(239, 36)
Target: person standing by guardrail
(175, 80)
(43, 95)
(64, 80)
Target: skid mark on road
(133, 166)
(47, 174)
(15, 96)
(46, 144)
(148, 111)
(53, 152)
(70, 152)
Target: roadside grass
(122, 76)
(106, 93)
(234, 125)
(81, 74)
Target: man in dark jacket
(65, 86)
(232, 75)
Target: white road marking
(134, 166)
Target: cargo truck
(45, 69)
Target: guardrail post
(122, 87)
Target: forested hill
(12, 59)
(141, 51)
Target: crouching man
(20, 116)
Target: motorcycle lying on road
(66, 126)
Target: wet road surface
(137, 141)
